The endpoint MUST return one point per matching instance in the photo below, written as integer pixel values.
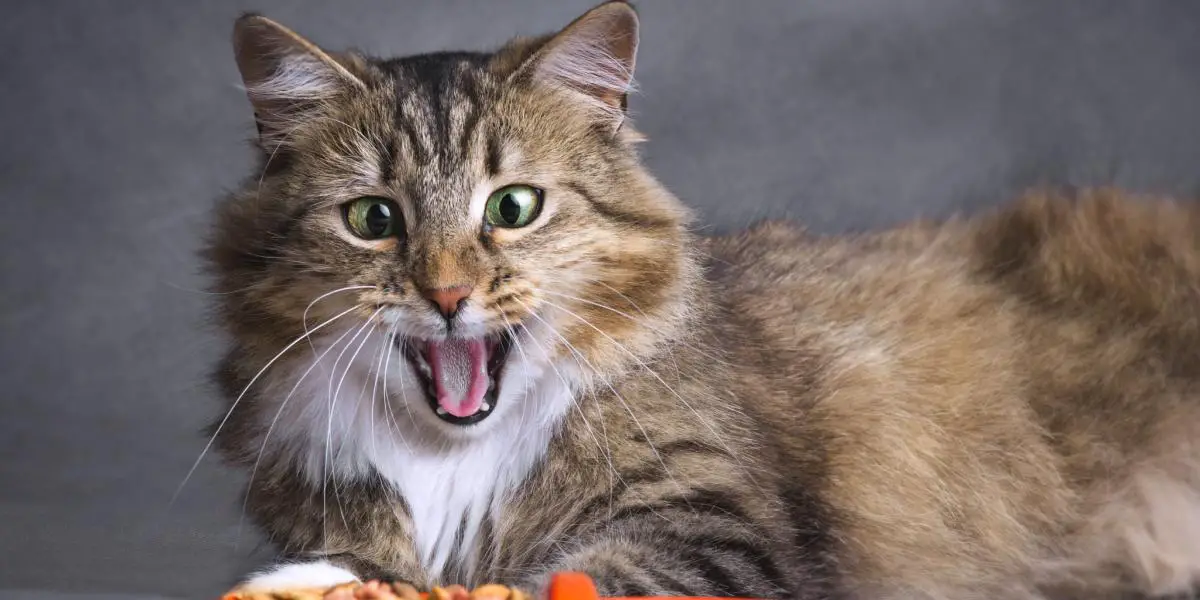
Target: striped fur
(1001, 407)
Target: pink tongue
(459, 374)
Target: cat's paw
(371, 590)
(296, 581)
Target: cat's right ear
(284, 74)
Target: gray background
(120, 123)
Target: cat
(474, 340)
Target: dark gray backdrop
(120, 123)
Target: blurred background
(121, 123)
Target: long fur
(999, 406)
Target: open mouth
(460, 377)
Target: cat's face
(483, 214)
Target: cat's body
(997, 407)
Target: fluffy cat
(473, 339)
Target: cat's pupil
(510, 209)
(378, 218)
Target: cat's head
(484, 214)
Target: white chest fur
(462, 487)
(347, 428)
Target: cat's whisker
(550, 537)
(241, 395)
(708, 425)
(639, 310)
(304, 316)
(390, 414)
(640, 322)
(271, 427)
(327, 471)
(358, 402)
(350, 363)
(326, 455)
(383, 349)
(404, 393)
(393, 425)
(613, 476)
(683, 341)
(512, 333)
(561, 377)
(579, 357)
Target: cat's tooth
(485, 407)
(441, 412)
(424, 368)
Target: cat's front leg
(696, 554)
(317, 578)
(323, 579)
(305, 577)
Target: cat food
(563, 586)
(375, 590)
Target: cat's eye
(513, 206)
(372, 218)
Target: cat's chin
(484, 360)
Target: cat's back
(1062, 300)
(1102, 252)
(989, 378)
(801, 289)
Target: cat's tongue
(459, 370)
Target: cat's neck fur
(334, 432)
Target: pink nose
(448, 300)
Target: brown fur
(996, 407)
(1005, 402)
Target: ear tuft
(284, 73)
(594, 56)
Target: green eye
(513, 206)
(371, 218)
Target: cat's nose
(448, 299)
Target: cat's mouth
(460, 377)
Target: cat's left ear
(593, 57)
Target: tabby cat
(474, 340)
